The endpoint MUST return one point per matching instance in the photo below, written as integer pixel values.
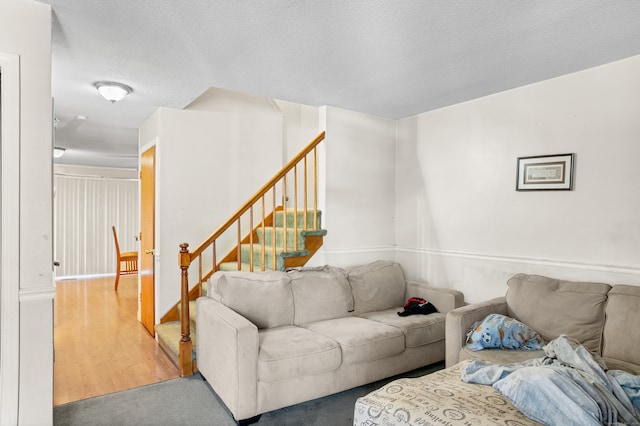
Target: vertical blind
(85, 208)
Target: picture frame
(545, 173)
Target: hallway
(100, 346)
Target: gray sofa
(268, 340)
(602, 317)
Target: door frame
(10, 244)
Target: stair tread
(169, 335)
(172, 328)
(233, 266)
(269, 232)
(296, 253)
(299, 214)
(290, 229)
(258, 246)
(279, 250)
(320, 232)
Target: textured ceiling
(391, 58)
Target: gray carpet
(191, 401)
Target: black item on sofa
(417, 306)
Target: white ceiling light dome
(112, 91)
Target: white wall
(25, 30)
(300, 123)
(460, 222)
(301, 126)
(203, 177)
(359, 187)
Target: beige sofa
(272, 339)
(602, 317)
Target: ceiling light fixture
(113, 91)
(58, 152)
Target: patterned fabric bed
(437, 399)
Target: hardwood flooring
(100, 346)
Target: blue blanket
(568, 386)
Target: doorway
(103, 337)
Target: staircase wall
(358, 193)
(301, 125)
(207, 164)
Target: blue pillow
(501, 332)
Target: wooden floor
(100, 346)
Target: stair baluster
(186, 348)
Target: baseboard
(37, 293)
(85, 277)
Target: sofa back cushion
(376, 286)
(320, 293)
(553, 307)
(621, 331)
(264, 298)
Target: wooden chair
(127, 261)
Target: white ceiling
(391, 58)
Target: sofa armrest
(460, 320)
(227, 351)
(444, 299)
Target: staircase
(283, 238)
(293, 253)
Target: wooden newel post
(186, 346)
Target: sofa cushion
(376, 286)
(418, 330)
(320, 293)
(616, 364)
(621, 331)
(361, 339)
(553, 307)
(291, 351)
(264, 298)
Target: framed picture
(545, 172)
